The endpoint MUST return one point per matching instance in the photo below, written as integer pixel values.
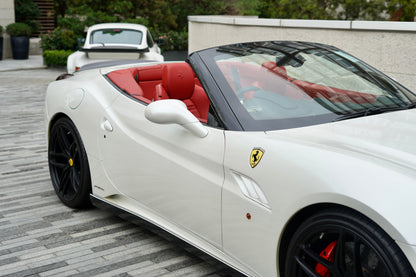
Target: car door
(173, 173)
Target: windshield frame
(242, 115)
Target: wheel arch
(296, 220)
(60, 115)
(291, 227)
(53, 120)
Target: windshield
(116, 36)
(302, 84)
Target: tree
(295, 9)
(27, 12)
(402, 10)
(60, 7)
(359, 9)
(159, 13)
(339, 9)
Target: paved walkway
(34, 62)
(41, 237)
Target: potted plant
(1, 42)
(19, 36)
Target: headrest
(178, 80)
(151, 73)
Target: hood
(389, 136)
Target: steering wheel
(240, 92)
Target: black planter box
(20, 48)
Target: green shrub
(18, 29)
(402, 10)
(26, 11)
(72, 23)
(56, 57)
(1, 31)
(139, 20)
(173, 40)
(59, 39)
(99, 17)
(34, 26)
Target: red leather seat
(125, 79)
(178, 82)
(149, 77)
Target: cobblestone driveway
(41, 237)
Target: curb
(34, 62)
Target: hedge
(56, 57)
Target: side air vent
(251, 189)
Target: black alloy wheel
(343, 243)
(68, 164)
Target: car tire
(344, 243)
(68, 164)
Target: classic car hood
(388, 136)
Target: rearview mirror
(172, 111)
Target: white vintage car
(113, 41)
(278, 158)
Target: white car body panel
(81, 58)
(330, 160)
(199, 197)
(198, 185)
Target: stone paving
(41, 237)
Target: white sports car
(112, 41)
(277, 158)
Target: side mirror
(172, 111)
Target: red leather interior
(156, 82)
(149, 78)
(279, 70)
(240, 75)
(125, 79)
(178, 82)
(334, 95)
(198, 104)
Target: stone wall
(6, 17)
(388, 46)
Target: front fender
(379, 189)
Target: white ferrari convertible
(277, 158)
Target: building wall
(388, 46)
(6, 17)
(47, 16)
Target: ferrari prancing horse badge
(255, 156)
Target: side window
(150, 42)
